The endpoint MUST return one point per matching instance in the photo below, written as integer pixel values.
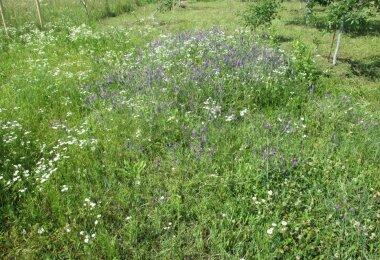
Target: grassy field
(67, 12)
(183, 135)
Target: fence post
(39, 12)
(3, 18)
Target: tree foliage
(343, 15)
(353, 14)
(261, 13)
(350, 14)
(166, 5)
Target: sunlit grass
(76, 12)
(151, 135)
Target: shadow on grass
(369, 68)
(198, 8)
(283, 38)
(171, 22)
(372, 28)
(127, 8)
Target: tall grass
(18, 13)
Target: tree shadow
(198, 8)
(171, 22)
(283, 38)
(369, 68)
(371, 28)
(297, 22)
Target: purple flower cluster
(201, 59)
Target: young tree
(167, 5)
(309, 9)
(261, 13)
(342, 14)
(38, 7)
(310, 4)
(84, 3)
(3, 18)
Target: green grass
(18, 13)
(158, 175)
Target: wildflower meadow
(179, 130)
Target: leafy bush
(261, 13)
(304, 64)
(166, 5)
(322, 2)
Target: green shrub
(165, 5)
(261, 13)
(303, 63)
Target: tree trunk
(108, 9)
(332, 45)
(309, 10)
(338, 41)
(38, 7)
(83, 2)
(3, 18)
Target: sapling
(38, 7)
(332, 44)
(309, 9)
(261, 13)
(3, 18)
(166, 5)
(338, 41)
(344, 13)
(107, 8)
(83, 2)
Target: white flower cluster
(12, 129)
(88, 237)
(282, 227)
(212, 107)
(88, 203)
(81, 32)
(48, 164)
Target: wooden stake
(39, 12)
(3, 18)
